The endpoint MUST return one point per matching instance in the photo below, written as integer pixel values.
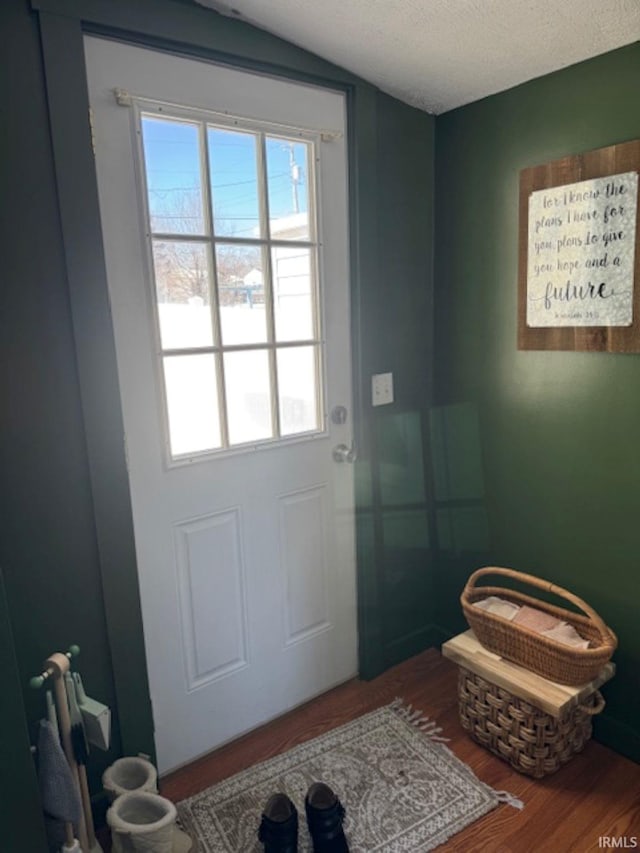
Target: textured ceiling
(440, 54)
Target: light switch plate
(382, 389)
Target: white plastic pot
(130, 774)
(142, 822)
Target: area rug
(404, 791)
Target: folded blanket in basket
(498, 606)
(536, 620)
(565, 633)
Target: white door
(223, 198)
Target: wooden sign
(579, 259)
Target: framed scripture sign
(579, 252)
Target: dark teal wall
(397, 338)
(548, 441)
(62, 487)
(47, 548)
(18, 781)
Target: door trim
(68, 103)
(63, 23)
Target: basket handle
(596, 708)
(532, 580)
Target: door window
(231, 224)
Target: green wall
(48, 549)
(18, 781)
(392, 483)
(549, 457)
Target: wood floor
(595, 796)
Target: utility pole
(295, 178)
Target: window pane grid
(266, 229)
(243, 241)
(242, 347)
(292, 248)
(220, 378)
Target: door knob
(342, 453)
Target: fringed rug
(403, 790)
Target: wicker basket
(549, 658)
(532, 741)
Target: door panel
(303, 535)
(212, 597)
(232, 337)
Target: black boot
(279, 826)
(325, 814)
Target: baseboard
(617, 736)
(99, 805)
(402, 648)
(440, 635)
(427, 637)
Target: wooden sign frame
(613, 160)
